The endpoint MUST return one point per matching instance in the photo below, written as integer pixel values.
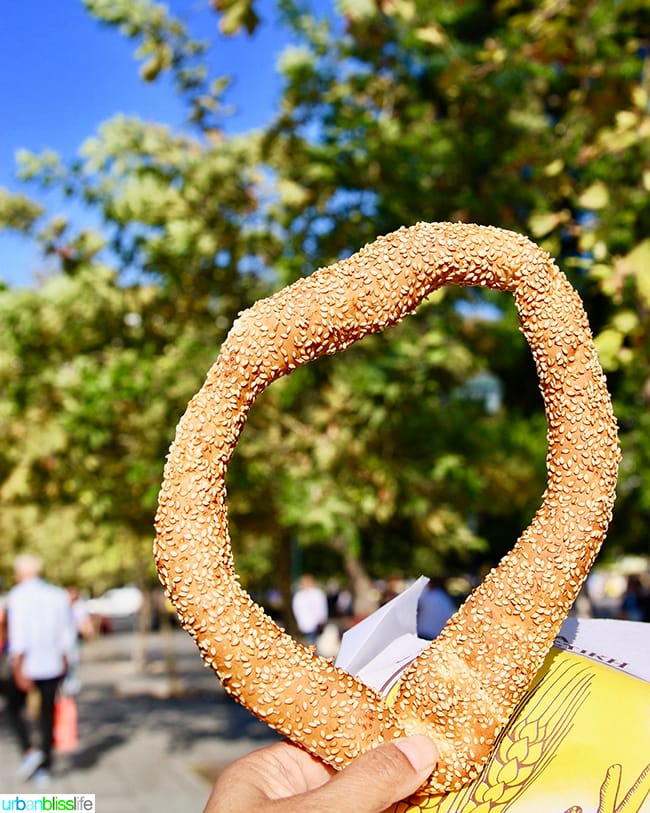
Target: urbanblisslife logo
(78, 802)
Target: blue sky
(62, 74)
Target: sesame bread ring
(463, 688)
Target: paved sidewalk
(147, 744)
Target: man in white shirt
(41, 635)
(309, 607)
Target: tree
(529, 116)
(88, 402)
(534, 117)
(101, 360)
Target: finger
(379, 777)
(278, 771)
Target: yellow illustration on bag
(579, 742)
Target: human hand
(284, 778)
(24, 683)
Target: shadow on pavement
(109, 721)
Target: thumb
(386, 774)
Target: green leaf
(18, 212)
(236, 14)
(595, 197)
(542, 223)
(357, 9)
(637, 264)
(608, 344)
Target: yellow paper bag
(580, 743)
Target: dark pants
(16, 712)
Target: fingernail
(420, 751)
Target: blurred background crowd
(44, 631)
(322, 609)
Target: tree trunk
(363, 592)
(285, 578)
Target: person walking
(40, 639)
(309, 607)
(435, 608)
(4, 658)
(635, 601)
